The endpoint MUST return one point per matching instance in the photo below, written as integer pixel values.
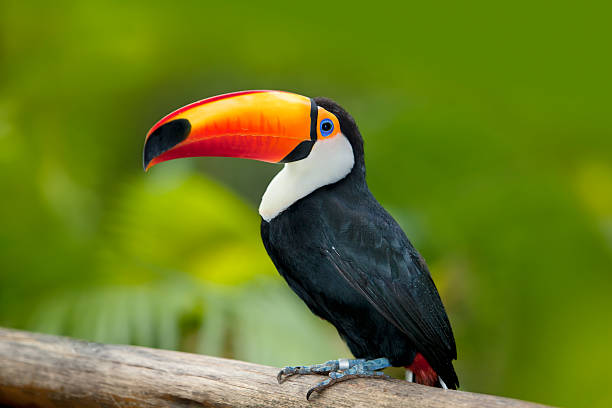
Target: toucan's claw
(338, 371)
(321, 369)
(357, 371)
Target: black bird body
(337, 243)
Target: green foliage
(488, 135)
(164, 278)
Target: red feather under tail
(423, 373)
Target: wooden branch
(38, 370)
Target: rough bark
(38, 370)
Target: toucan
(337, 248)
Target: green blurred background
(488, 132)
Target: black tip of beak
(165, 138)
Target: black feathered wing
(377, 260)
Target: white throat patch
(329, 161)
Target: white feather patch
(329, 161)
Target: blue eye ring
(327, 127)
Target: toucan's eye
(327, 126)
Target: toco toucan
(334, 244)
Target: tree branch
(49, 371)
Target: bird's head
(270, 126)
(316, 139)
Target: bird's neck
(328, 162)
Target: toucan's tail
(423, 373)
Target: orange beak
(270, 126)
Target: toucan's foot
(364, 369)
(338, 370)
